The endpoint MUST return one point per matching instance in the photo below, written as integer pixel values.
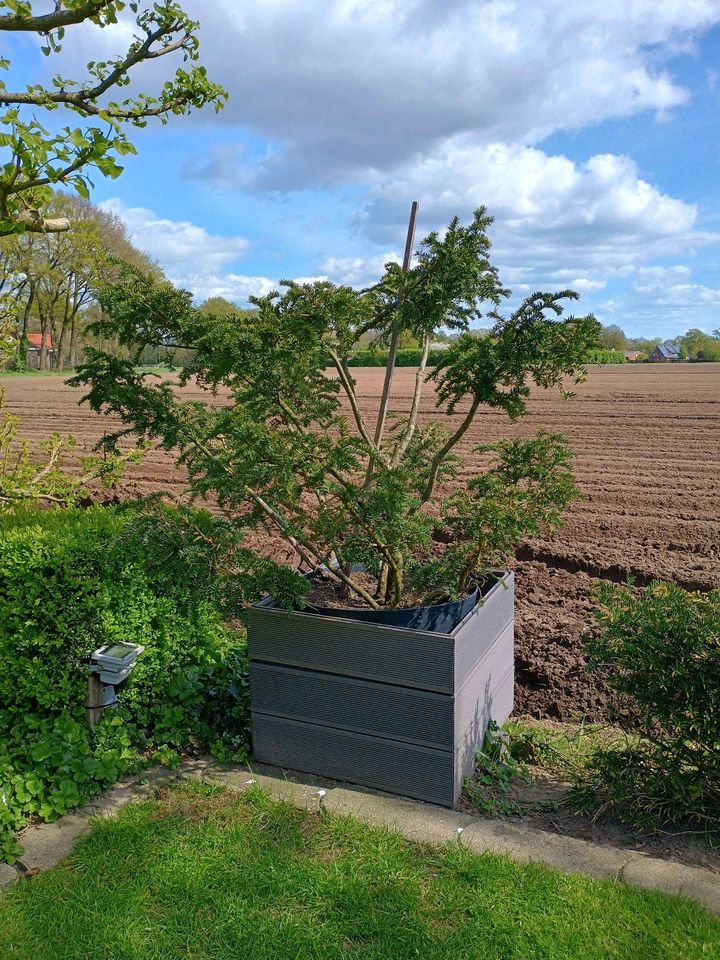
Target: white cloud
(178, 245)
(341, 88)
(358, 271)
(193, 258)
(666, 301)
(556, 220)
(448, 102)
(236, 287)
(673, 288)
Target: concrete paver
(651, 873)
(529, 845)
(421, 823)
(8, 875)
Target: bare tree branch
(355, 407)
(412, 420)
(34, 222)
(445, 450)
(395, 336)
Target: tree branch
(34, 222)
(59, 18)
(395, 335)
(412, 420)
(80, 161)
(84, 99)
(283, 526)
(445, 449)
(352, 397)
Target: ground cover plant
(529, 768)
(204, 873)
(74, 580)
(272, 442)
(658, 649)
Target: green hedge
(73, 580)
(411, 358)
(605, 356)
(405, 358)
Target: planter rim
(500, 577)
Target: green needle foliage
(287, 447)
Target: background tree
(219, 305)
(643, 344)
(612, 337)
(50, 277)
(36, 160)
(699, 345)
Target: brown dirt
(648, 461)
(328, 593)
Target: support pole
(95, 700)
(395, 335)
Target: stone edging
(47, 844)
(423, 823)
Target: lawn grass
(201, 873)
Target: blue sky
(589, 130)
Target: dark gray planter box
(396, 709)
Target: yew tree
(38, 158)
(283, 441)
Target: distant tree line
(47, 280)
(693, 345)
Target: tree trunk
(73, 342)
(60, 340)
(43, 347)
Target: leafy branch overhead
(284, 442)
(39, 158)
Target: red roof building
(35, 341)
(34, 347)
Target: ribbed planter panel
(396, 709)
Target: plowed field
(648, 461)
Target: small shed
(665, 355)
(34, 347)
(633, 356)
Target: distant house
(633, 356)
(34, 346)
(665, 355)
